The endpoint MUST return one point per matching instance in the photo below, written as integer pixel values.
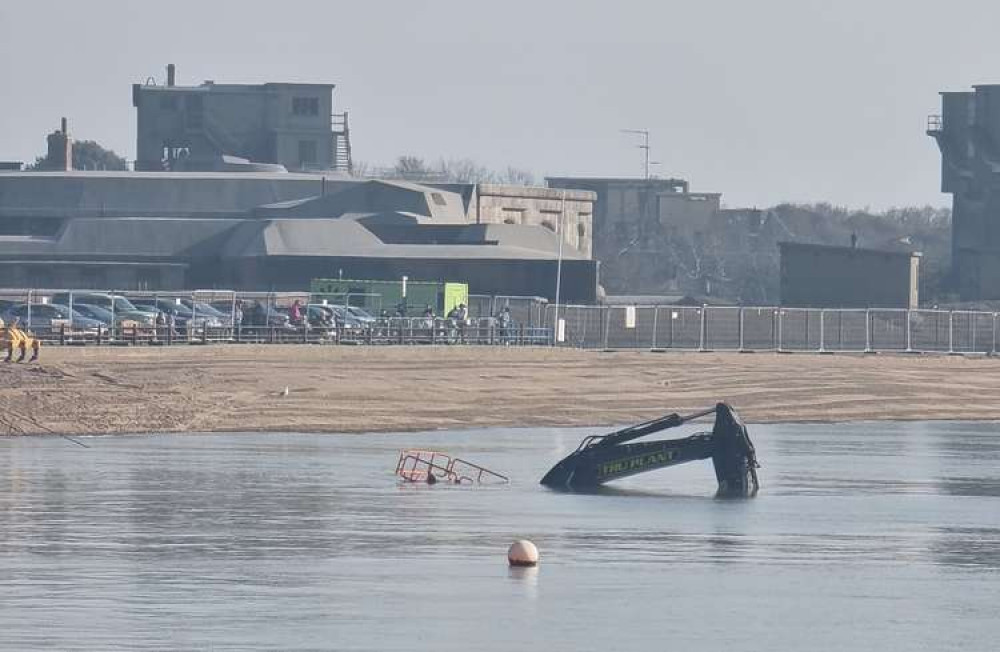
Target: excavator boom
(603, 458)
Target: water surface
(864, 536)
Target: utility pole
(562, 236)
(644, 146)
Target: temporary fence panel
(722, 328)
(930, 330)
(844, 330)
(759, 330)
(628, 327)
(799, 329)
(678, 327)
(585, 325)
(972, 332)
(888, 329)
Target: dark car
(94, 312)
(48, 316)
(181, 312)
(122, 308)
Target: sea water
(864, 536)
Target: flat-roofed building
(822, 276)
(221, 127)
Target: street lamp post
(560, 228)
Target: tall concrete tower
(967, 132)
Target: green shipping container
(375, 296)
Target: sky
(766, 101)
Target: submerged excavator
(602, 458)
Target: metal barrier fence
(383, 331)
(734, 328)
(79, 317)
(529, 311)
(206, 316)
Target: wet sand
(368, 389)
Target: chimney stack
(60, 154)
(171, 74)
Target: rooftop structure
(270, 127)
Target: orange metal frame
(417, 465)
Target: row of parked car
(91, 311)
(95, 310)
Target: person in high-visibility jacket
(16, 339)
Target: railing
(935, 123)
(404, 331)
(222, 316)
(784, 330)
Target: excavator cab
(602, 458)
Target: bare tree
(517, 177)
(411, 168)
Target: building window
(305, 105)
(581, 234)
(307, 152)
(512, 215)
(438, 199)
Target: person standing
(504, 320)
(238, 317)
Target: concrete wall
(499, 204)
(690, 210)
(818, 276)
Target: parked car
(362, 315)
(201, 309)
(94, 312)
(115, 303)
(47, 316)
(181, 313)
(257, 315)
(345, 317)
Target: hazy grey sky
(764, 101)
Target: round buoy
(522, 553)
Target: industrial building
(639, 228)
(822, 276)
(248, 187)
(217, 127)
(278, 231)
(967, 132)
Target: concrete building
(218, 127)
(637, 228)
(569, 212)
(968, 135)
(278, 231)
(821, 276)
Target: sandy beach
(371, 389)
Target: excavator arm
(603, 458)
